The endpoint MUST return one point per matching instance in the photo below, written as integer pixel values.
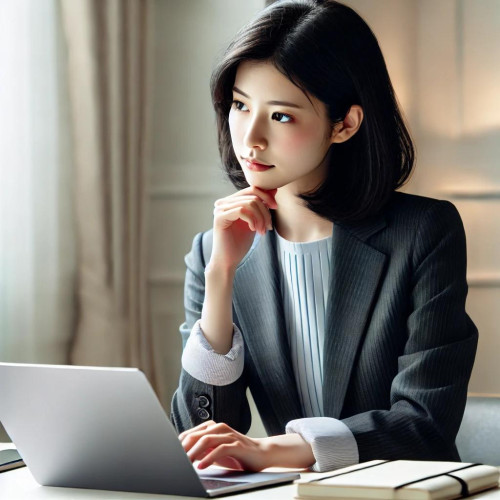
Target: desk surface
(19, 484)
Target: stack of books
(400, 480)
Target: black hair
(326, 49)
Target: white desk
(19, 484)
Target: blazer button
(203, 414)
(203, 402)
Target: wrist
(220, 271)
(288, 450)
(216, 316)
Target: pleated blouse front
(305, 271)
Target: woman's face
(280, 136)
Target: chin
(267, 186)
(262, 180)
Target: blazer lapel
(258, 305)
(356, 270)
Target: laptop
(104, 428)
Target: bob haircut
(327, 50)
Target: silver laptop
(104, 428)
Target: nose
(255, 135)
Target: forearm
(288, 450)
(217, 314)
(423, 419)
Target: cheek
(299, 140)
(304, 142)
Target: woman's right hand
(236, 220)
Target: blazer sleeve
(428, 394)
(195, 402)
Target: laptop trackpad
(218, 479)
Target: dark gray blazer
(399, 346)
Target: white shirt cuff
(208, 366)
(332, 442)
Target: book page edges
(478, 478)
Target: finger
(233, 450)
(242, 197)
(271, 197)
(190, 440)
(267, 196)
(207, 443)
(225, 219)
(228, 463)
(249, 201)
(199, 432)
(260, 212)
(265, 217)
(226, 202)
(199, 427)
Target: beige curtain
(109, 72)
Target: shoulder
(413, 207)
(419, 225)
(404, 216)
(412, 214)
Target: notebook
(104, 428)
(400, 480)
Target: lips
(256, 166)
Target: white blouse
(305, 272)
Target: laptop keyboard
(215, 484)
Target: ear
(349, 126)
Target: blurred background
(109, 164)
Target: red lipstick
(256, 166)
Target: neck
(295, 222)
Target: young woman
(338, 301)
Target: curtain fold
(109, 73)
(37, 261)
(36, 217)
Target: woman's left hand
(219, 444)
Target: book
(10, 459)
(400, 480)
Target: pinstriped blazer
(399, 346)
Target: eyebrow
(274, 103)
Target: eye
(239, 105)
(282, 117)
